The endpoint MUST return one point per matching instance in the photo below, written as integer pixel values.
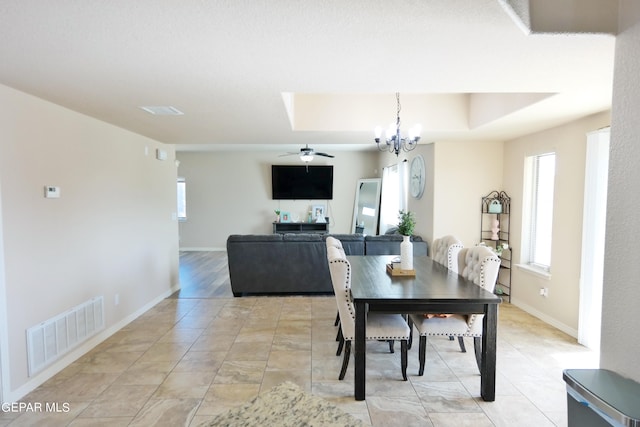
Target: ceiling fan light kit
(306, 154)
(394, 142)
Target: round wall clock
(417, 176)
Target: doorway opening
(593, 238)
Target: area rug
(285, 405)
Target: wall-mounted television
(289, 182)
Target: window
(538, 211)
(394, 195)
(182, 200)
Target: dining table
(429, 288)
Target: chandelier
(394, 142)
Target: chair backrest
(340, 270)
(445, 251)
(480, 265)
(332, 242)
(335, 253)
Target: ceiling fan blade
(325, 155)
(289, 154)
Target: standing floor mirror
(366, 207)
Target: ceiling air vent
(162, 110)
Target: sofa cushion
(255, 238)
(353, 244)
(389, 244)
(302, 237)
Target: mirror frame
(356, 202)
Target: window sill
(535, 271)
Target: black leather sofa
(296, 263)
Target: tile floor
(188, 359)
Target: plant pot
(406, 253)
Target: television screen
(290, 182)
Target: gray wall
(620, 344)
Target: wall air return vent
(51, 339)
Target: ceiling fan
(306, 154)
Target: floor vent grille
(51, 339)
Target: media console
(300, 227)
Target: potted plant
(277, 212)
(406, 224)
(500, 248)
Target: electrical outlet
(544, 292)
(116, 299)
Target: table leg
(360, 350)
(488, 365)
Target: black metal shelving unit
(490, 212)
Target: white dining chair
(332, 242)
(380, 326)
(480, 265)
(445, 251)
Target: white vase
(406, 253)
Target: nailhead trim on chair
(351, 309)
(446, 250)
(346, 340)
(483, 283)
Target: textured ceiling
(307, 72)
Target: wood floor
(204, 274)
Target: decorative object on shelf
(394, 142)
(417, 176)
(285, 217)
(318, 213)
(495, 230)
(405, 227)
(495, 206)
(277, 212)
(500, 248)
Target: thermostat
(51, 192)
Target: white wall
(464, 173)
(230, 193)
(560, 308)
(111, 232)
(458, 175)
(620, 343)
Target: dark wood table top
(433, 283)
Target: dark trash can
(601, 398)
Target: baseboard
(545, 318)
(73, 355)
(203, 249)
